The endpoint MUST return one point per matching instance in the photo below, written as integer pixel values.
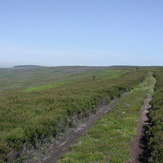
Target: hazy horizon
(79, 66)
(86, 33)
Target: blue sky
(81, 32)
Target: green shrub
(155, 131)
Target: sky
(81, 32)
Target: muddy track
(50, 153)
(137, 146)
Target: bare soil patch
(137, 145)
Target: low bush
(155, 130)
(26, 118)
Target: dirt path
(137, 144)
(50, 153)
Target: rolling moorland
(107, 140)
(25, 77)
(39, 104)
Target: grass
(44, 87)
(108, 140)
(26, 118)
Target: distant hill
(28, 66)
